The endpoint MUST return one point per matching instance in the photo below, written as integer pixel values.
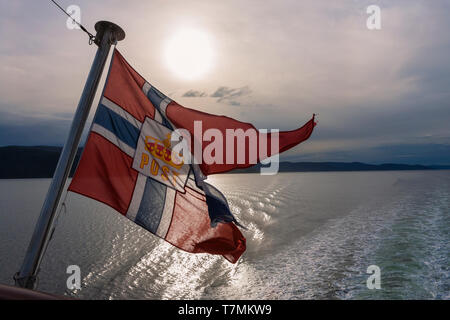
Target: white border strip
(111, 137)
(135, 203)
(158, 117)
(166, 217)
(163, 106)
(146, 88)
(121, 112)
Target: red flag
(128, 164)
(183, 117)
(180, 212)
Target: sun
(189, 53)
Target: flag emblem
(155, 159)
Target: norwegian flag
(127, 164)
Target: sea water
(309, 236)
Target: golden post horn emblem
(161, 150)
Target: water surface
(310, 236)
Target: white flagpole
(108, 34)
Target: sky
(381, 96)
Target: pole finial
(117, 33)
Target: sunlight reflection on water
(310, 235)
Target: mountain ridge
(25, 162)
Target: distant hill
(441, 167)
(336, 166)
(17, 162)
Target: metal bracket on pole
(108, 34)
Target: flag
(128, 164)
(185, 118)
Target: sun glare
(189, 53)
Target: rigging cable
(91, 36)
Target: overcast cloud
(378, 94)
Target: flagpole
(108, 34)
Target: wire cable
(91, 36)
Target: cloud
(38, 129)
(223, 93)
(195, 94)
(229, 95)
(386, 87)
